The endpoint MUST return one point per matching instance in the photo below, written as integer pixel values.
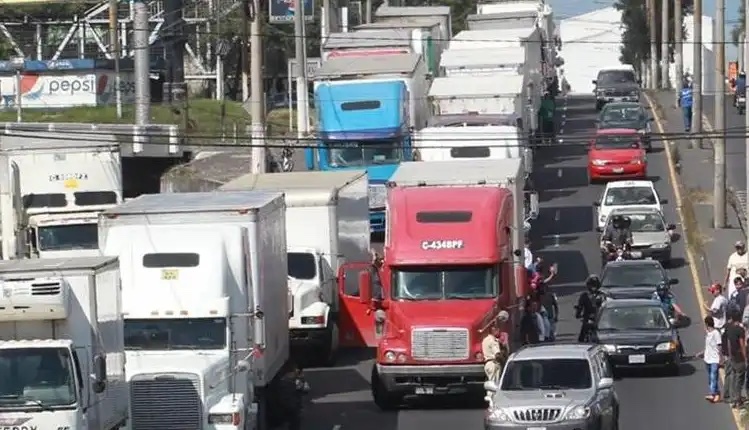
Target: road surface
(340, 397)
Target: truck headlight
(392, 357)
(497, 415)
(377, 196)
(578, 413)
(666, 346)
(225, 419)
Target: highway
(340, 397)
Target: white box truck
(62, 357)
(385, 12)
(327, 223)
(52, 189)
(203, 278)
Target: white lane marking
(557, 215)
(559, 172)
(556, 241)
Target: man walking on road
(734, 346)
(685, 103)
(738, 260)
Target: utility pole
(719, 202)
(697, 72)
(114, 43)
(245, 47)
(142, 61)
(302, 102)
(652, 28)
(665, 83)
(257, 98)
(678, 48)
(742, 58)
(368, 11)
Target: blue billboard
(282, 11)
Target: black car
(633, 279)
(616, 85)
(637, 333)
(630, 115)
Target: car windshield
(625, 196)
(68, 237)
(175, 334)
(617, 141)
(622, 114)
(632, 318)
(301, 265)
(31, 378)
(616, 77)
(551, 374)
(646, 223)
(357, 153)
(632, 275)
(444, 282)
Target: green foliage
(738, 28)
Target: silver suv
(554, 387)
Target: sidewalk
(695, 168)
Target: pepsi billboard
(282, 11)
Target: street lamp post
(18, 64)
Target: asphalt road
(340, 397)
(735, 145)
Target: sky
(569, 8)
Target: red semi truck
(452, 262)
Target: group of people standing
(540, 306)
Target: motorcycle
(611, 252)
(740, 104)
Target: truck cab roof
(391, 64)
(171, 203)
(362, 110)
(462, 173)
(477, 86)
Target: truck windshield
(33, 378)
(445, 282)
(301, 265)
(68, 236)
(175, 334)
(357, 153)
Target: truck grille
(537, 415)
(165, 402)
(439, 344)
(45, 288)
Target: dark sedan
(637, 333)
(633, 279)
(627, 115)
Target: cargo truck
(452, 262)
(421, 28)
(386, 12)
(206, 314)
(327, 223)
(52, 189)
(62, 356)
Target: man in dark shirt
(734, 339)
(529, 330)
(548, 301)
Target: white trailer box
(53, 188)
(62, 353)
(366, 43)
(440, 12)
(499, 21)
(327, 223)
(493, 39)
(408, 68)
(424, 28)
(203, 277)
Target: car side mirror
(671, 227)
(597, 204)
(490, 386)
(605, 383)
(664, 201)
(365, 287)
(100, 374)
(673, 281)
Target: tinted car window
(616, 77)
(632, 275)
(556, 374)
(613, 141)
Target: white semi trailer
(62, 357)
(205, 302)
(327, 223)
(52, 189)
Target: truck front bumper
(432, 379)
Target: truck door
(356, 319)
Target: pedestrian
(737, 300)
(734, 339)
(685, 103)
(737, 260)
(495, 350)
(717, 309)
(711, 355)
(550, 305)
(530, 330)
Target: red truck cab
(451, 264)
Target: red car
(617, 154)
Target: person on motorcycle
(740, 87)
(668, 302)
(617, 238)
(587, 307)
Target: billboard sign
(63, 90)
(282, 11)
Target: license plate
(424, 390)
(169, 274)
(636, 359)
(618, 169)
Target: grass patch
(699, 196)
(695, 238)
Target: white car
(626, 194)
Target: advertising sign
(63, 90)
(282, 11)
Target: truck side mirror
(365, 287)
(100, 373)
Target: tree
(738, 28)
(636, 37)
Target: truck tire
(328, 354)
(384, 399)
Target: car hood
(619, 86)
(644, 238)
(634, 337)
(560, 398)
(629, 292)
(615, 154)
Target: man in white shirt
(737, 260)
(712, 357)
(528, 256)
(717, 308)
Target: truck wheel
(384, 399)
